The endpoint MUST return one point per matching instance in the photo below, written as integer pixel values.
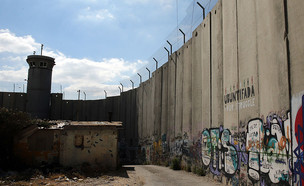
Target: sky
(96, 43)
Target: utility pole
(41, 48)
(149, 72)
(168, 53)
(140, 78)
(78, 94)
(170, 47)
(105, 94)
(183, 35)
(132, 84)
(156, 63)
(121, 87)
(24, 86)
(85, 96)
(202, 8)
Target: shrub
(167, 163)
(193, 169)
(200, 171)
(188, 168)
(11, 123)
(176, 164)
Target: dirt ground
(126, 176)
(76, 176)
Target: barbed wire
(194, 16)
(188, 24)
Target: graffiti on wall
(240, 95)
(299, 147)
(221, 152)
(189, 149)
(269, 148)
(260, 147)
(180, 146)
(265, 148)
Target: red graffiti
(299, 122)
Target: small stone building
(70, 144)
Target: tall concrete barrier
(134, 121)
(186, 55)
(240, 127)
(229, 101)
(1, 99)
(272, 57)
(157, 75)
(56, 110)
(248, 107)
(206, 72)
(230, 62)
(217, 116)
(113, 107)
(179, 89)
(247, 64)
(128, 126)
(196, 82)
(9, 100)
(123, 114)
(140, 110)
(101, 110)
(165, 102)
(67, 110)
(145, 109)
(150, 108)
(295, 41)
(171, 97)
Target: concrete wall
(71, 146)
(34, 147)
(230, 100)
(295, 42)
(240, 79)
(13, 100)
(94, 145)
(121, 108)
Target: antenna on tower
(41, 48)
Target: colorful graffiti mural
(266, 151)
(269, 148)
(299, 147)
(221, 152)
(260, 149)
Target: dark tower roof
(38, 61)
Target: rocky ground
(127, 175)
(75, 176)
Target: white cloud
(14, 44)
(99, 15)
(10, 74)
(12, 58)
(92, 76)
(74, 74)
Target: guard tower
(39, 85)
